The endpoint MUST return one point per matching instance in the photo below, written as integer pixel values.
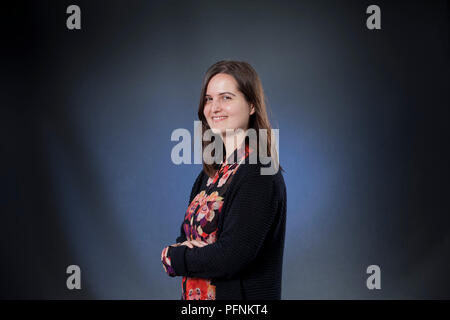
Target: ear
(252, 109)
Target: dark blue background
(87, 116)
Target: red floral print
(200, 223)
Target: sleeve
(194, 191)
(251, 215)
(165, 259)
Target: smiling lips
(218, 118)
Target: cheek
(206, 110)
(238, 112)
(233, 111)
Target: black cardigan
(245, 263)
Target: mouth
(218, 119)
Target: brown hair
(250, 85)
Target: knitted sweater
(244, 260)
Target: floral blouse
(200, 223)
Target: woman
(232, 237)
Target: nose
(216, 106)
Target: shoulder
(260, 177)
(200, 177)
(197, 184)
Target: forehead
(221, 82)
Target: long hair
(249, 84)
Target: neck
(233, 141)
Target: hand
(191, 243)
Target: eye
(226, 98)
(207, 99)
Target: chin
(218, 130)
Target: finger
(198, 243)
(187, 244)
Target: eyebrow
(226, 92)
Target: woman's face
(225, 106)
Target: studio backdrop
(87, 116)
